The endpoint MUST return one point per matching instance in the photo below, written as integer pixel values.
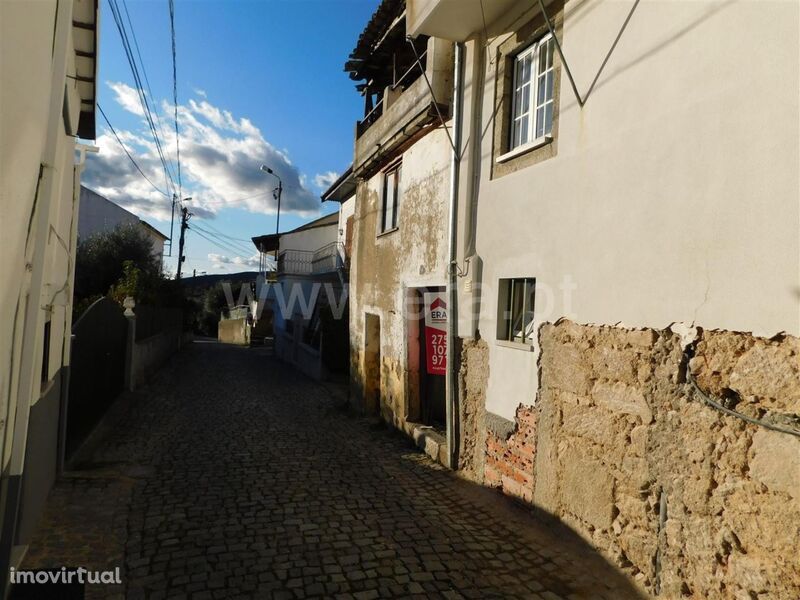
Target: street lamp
(275, 193)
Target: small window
(46, 353)
(515, 308)
(391, 198)
(532, 112)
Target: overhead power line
(135, 164)
(225, 235)
(144, 71)
(175, 93)
(217, 243)
(129, 55)
(231, 245)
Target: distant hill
(206, 281)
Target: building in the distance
(306, 300)
(98, 214)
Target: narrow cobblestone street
(235, 477)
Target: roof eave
(341, 189)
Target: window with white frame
(391, 197)
(515, 310)
(533, 93)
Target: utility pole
(278, 220)
(185, 215)
(276, 193)
(172, 223)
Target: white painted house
(47, 92)
(310, 269)
(98, 214)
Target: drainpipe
(452, 281)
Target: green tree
(121, 263)
(101, 258)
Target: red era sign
(436, 332)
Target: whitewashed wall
(674, 195)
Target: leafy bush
(120, 263)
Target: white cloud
(324, 180)
(220, 261)
(220, 159)
(127, 97)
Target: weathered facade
(627, 256)
(47, 94)
(399, 224)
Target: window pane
(541, 96)
(522, 305)
(549, 86)
(550, 48)
(542, 60)
(518, 102)
(397, 192)
(525, 104)
(527, 320)
(548, 117)
(388, 202)
(527, 63)
(523, 129)
(540, 121)
(515, 298)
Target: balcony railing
(404, 81)
(308, 262)
(408, 107)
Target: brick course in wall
(509, 462)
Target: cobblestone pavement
(235, 477)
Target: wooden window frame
(395, 170)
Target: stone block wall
(620, 446)
(234, 331)
(473, 376)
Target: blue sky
(258, 82)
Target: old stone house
(402, 167)
(47, 95)
(627, 269)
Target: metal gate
(97, 368)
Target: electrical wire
(217, 243)
(232, 246)
(222, 247)
(144, 70)
(240, 250)
(135, 164)
(147, 112)
(175, 93)
(716, 405)
(225, 235)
